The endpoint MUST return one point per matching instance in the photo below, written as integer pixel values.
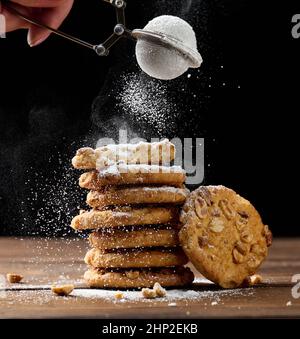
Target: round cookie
(162, 152)
(114, 195)
(166, 277)
(110, 238)
(138, 175)
(223, 235)
(124, 216)
(135, 258)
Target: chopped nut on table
(149, 293)
(119, 295)
(156, 292)
(62, 291)
(14, 278)
(252, 280)
(160, 291)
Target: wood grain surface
(44, 262)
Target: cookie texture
(223, 235)
(125, 216)
(133, 175)
(114, 195)
(135, 258)
(134, 238)
(143, 278)
(162, 152)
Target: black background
(249, 124)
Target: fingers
(41, 3)
(12, 21)
(49, 12)
(52, 17)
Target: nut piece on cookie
(63, 290)
(132, 274)
(268, 235)
(14, 278)
(223, 235)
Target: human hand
(49, 12)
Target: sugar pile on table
(42, 295)
(214, 296)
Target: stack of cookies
(135, 196)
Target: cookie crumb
(14, 278)
(149, 293)
(188, 313)
(214, 303)
(160, 291)
(156, 292)
(119, 295)
(252, 280)
(62, 291)
(289, 303)
(172, 304)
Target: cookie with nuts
(128, 258)
(125, 216)
(223, 235)
(139, 278)
(136, 195)
(153, 236)
(133, 175)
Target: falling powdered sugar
(51, 200)
(146, 100)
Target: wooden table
(44, 262)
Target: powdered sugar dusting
(165, 189)
(174, 27)
(139, 153)
(109, 170)
(146, 100)
(202, 280)
(42, 295)
(51, 200)
(115, 170)
(172, 295)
